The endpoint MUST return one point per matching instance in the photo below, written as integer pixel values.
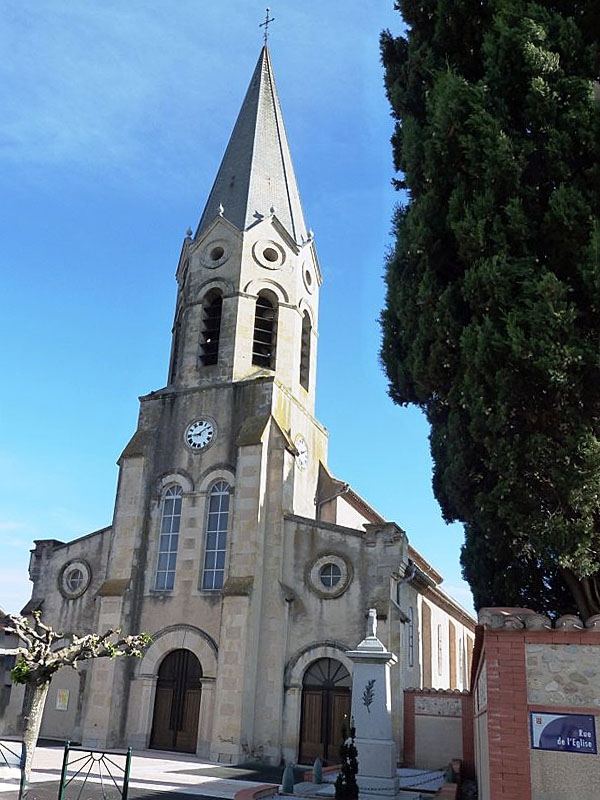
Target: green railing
(108, 768)
(13, 756)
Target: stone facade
(562, 674)
(250, 565)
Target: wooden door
(177, 703)
(325, 711)
(311, 745)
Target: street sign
(569, 733)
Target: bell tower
(224, 454)
(248, 280)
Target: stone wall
(525, 666)
(562, 674)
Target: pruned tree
(492, 316)
(42, 653)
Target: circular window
(74, 578)
(215, 253)
(308, 279)
(268, 254)
(329, 575)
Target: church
(251, 566)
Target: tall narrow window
(209, 346)
(440, 651)
(169, 539)
(265, 323)
(411, 636)
(217, 520)
(175, 349)
(452, 655)
(305, 351)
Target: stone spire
(256, 177)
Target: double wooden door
(177, 703)
(325, 711)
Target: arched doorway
(177, 703)
(325, 710)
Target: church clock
(200, 433)
(301, 452)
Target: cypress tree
(492, 315)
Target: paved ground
(182, 776)
(152, 774)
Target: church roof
(256, 174)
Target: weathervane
(265, 25)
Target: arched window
(169, 539)
(265, 325)
(215, 540)
(305, 351)
(209, 345)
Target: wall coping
(425, 690)
(514, 619)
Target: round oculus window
(308, 279)
(215, 253)
(74, 578)
(329, 575)
(268, 254)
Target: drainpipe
(409, 576)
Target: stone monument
(372, 714)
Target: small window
(265, 323)
(270, 254)
(215, 541)
(440, 658)
(330, 574)
(169, 539)
(209, 346)
(305, 351)
(74, 580)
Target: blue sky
(114, 119)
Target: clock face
(302, 454)
(199, 434)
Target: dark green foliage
(492, 317)
(346, 787)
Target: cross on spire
(265, 25)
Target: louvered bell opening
(305, 351)
(263, 345)
(212, 328)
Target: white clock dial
(199, 434)
(302, 452)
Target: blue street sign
(570, 733)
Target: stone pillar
(372, 715)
